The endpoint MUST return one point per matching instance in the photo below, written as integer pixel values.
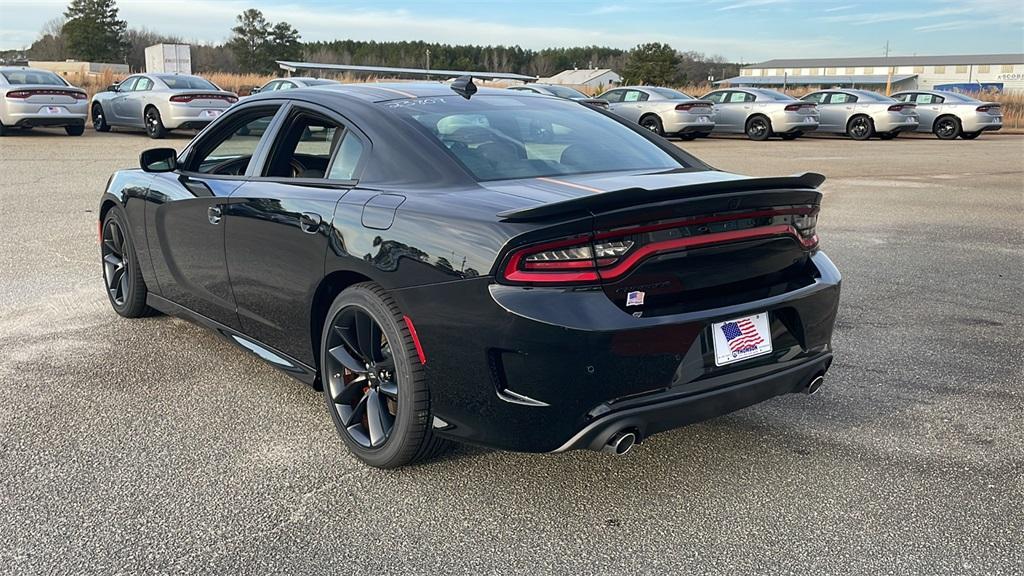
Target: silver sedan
(160, 103)
(560, 91)
(30, 97)
(861, 114)
(291, 83)
(948, 114)
(665, 111)
(761, 113)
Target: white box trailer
(175, 58)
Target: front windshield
(670, 94)
(187, 83)
(506, 137)
(42, 77)
(565, 92)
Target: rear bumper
(189, 117)
(28, 114)
(794, 123)
(685, 123)
(669, 410)
(895, 123)
(548, 369)
(982, 123)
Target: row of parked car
(761, 113)
(159, 103)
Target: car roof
(24, 69)
(385, 91)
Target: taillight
(22, 94)
(231, 99)
(609, 255)
(183, 98)
(701, 107)
(986, 108)
(897, 107)
(796, 107)
(186, 98)
(81, 96)
(19, 94)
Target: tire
(791, 135)
(360, 373)
(758, 128)
(154, 124)
(970, 135)
(688, 137)
(888, 135)
(947, 128)
(653, 123)
(99, 119)
(860, 128)
(74, 130)
(3, 130)
(122, 277)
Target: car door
(840, 108)
(732, 112)
(632, 105)
(928, 108)
(185, 213)
(135, 102)
(279, 223)
(119, 109)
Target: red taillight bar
(704, 220)
(987, 107)
(691, 105)
(186, 98)
(901, 106)
(22, 94)
(795, 107)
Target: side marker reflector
(415, 339)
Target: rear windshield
(773, 95)
(670, 94)
(187, 83)
(565, 92)
(17, 77)
(505, 137)
(318, 82)
(959, 97)
(865, 95)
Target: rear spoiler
(631, 196)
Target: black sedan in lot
(493, 267)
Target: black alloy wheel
(154, 125)
(373, 380)
(121, 275)
(99, 120)
(947, 128)
(653, 123)
(758, 128)
(859, 128)
(362, 378)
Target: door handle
(310, 222)
(214, 214)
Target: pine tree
(93, 32)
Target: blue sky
(740, 30)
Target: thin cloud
(945, 26)
(609, 9)
(840, 8)
(749, 4)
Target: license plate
(53, 110)
(702, 119)
(210, 113)
(741, 338)
(809, 119)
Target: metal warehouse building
(984, 72)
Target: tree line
(91, 30)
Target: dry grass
(1012, 103)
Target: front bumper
(547, 369)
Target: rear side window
(736, 97)
(635, 96)
(347, 158)
(929, 99)
(841, 98)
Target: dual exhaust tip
(623, 441)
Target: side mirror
(111, 88)
(159, 160)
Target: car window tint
(511, 136)
(816, 97)
(735, 97)
(127, 85)
(186, 82)
(143, 84)
(303, 148)
(346, 158)
(228, 151)
(929, 99)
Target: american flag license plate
(741, 338)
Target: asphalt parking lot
(153, 446)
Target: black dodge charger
(488, 266)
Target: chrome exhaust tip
(814, 384)
(620, 443)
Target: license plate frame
(749, 337)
